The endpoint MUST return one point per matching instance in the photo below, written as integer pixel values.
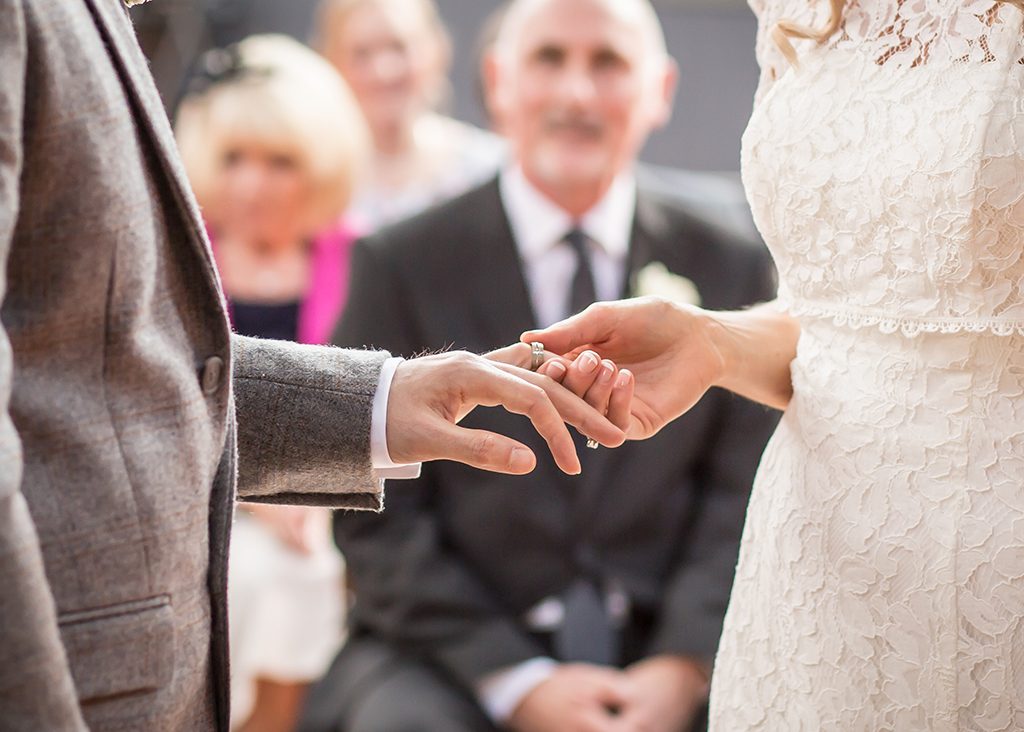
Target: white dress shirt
(380, 459)
(539, 227)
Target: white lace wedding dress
(881, 579)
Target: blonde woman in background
(272, 141)
(395, 55)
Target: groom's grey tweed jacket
(121, 395)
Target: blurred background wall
(713, 41)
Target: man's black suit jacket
(447, 571)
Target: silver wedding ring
(593, 444)
(536, 355)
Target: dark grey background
(713, 42)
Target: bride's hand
(667, 348)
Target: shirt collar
(538, 223)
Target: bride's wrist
(755, 348)
(726, 350)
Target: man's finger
(614, 697)
(555, 369)
(518, 354)
(486, 450)
(573, 409)
(598, 720)
(614, 689)
(524, 392)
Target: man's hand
(303, 529)
(430, 395)
(575, 698)
(667, 348)
(668, 693)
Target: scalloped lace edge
(910, 327)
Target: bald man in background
(550, 605)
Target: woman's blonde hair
(282, 96)
(332, 16)
(785, 29)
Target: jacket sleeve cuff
(303, 416)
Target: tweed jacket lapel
(111, 18)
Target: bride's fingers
(621, 400)
(593, 325)
(583, 373)
(555, 369)
(599, 395)
(572, 410)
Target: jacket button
(213, 375)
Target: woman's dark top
(279, 321)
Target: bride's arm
(757, 347)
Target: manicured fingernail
(623, 380)
(556, 370)
(521, 460)
(607, 371)
(589, 362)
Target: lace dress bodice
(880, 583)
(886, 170)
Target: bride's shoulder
(759, 6)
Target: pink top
(321, 308)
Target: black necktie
(582, 294)
(587, 634)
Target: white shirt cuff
(501, 692)
(383, 465)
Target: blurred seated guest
(395, 55)
(259, 137)
(544, 603)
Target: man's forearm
(304, 415)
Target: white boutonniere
(656, 280)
